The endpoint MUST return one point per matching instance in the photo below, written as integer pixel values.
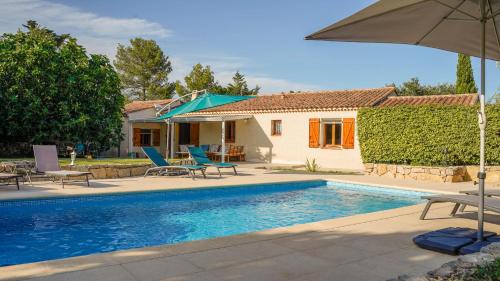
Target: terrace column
(223, 141)
(172, 133)
(130, 137)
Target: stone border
(428, 173)
(111, 171)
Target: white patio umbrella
(469, 27)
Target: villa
(281, 128)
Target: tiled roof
(141, 105)
(322, 100)
(462, 99)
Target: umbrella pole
(482, 126)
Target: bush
(427, 135)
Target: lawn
(84, 161)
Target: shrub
(312, 166)
(427, 135)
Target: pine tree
(465, 78)
(239, 87)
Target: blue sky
(262, 39)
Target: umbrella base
(449, 240)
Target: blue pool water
(45, 229)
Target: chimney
(194, 95)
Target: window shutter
(314, 132)
(348, 133)
(194, 134)
(137, 137)
(156, 137)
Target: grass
(489, 272)
(86, 162)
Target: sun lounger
(7, 177)
(47, 163)
(162, 165)
(488, 193)
(490, 204)
(202, 159)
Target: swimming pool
(45, 229)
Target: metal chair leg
(218, 170)
(88, 183)
(426, 209)
(17, 183)
(462, 208)
(455, 209)
(234, 168)
(203, 172)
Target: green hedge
(420, 135)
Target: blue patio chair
(201, 159)
(162, 165)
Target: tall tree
(465, 77)
(144, 70)
(200, 78)
(239, 86)
(52, 90)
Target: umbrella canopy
(204, 101)
(469, 27)
(452, 25)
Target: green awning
(204, 101)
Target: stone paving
(374, 246)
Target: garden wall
(111, 171)
(429, 173)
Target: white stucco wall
(292, 147)
(127, 130)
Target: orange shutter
(194, 133)
(348, 133)
(156, 137)
(314, 132)
(137, 137)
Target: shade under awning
(209, 118)
(204, 101)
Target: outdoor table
(7, 177)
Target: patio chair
(488, 193)
(183, 150)
(490, 204)
(162, 165)
(201, 159)
(47, 163)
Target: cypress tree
(465, 78)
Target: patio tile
(339, 254)
(425, 258)
(201, 276)
(108, 273)
(236, 254)
(346, 272)
(158, 269)
(311, 240)
(283, 267)
(391, 268)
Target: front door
(189, 133)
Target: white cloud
(99, 34)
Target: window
(146, 137)
(276, 128)
(230, 133)
(332, 134)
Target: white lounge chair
(47, 162)
(490, 204)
